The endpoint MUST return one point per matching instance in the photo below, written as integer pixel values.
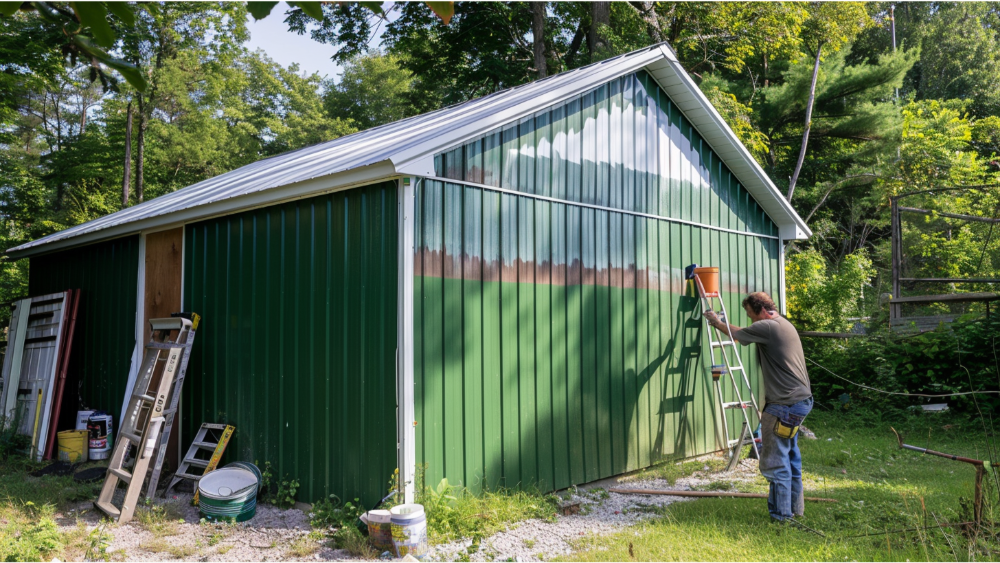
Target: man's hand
(712, 318)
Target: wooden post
(896, 248)
(977, 503)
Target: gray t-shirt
(779, 350)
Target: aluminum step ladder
(143, 435)
(726, 362)
(202, 443)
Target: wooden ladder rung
(121, 474)
(134, 438)
(109, 509)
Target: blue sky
(272, 36)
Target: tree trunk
(140, 153)
(538, 33)
(600, 14)
(648, 13)
(127, 177)
(574, 46)
(805, 133)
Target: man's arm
(715, 321)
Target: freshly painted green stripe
(107, 276)
(297, 346)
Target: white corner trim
(140, 313)
(405, 413)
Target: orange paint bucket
(709, 278)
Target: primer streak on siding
(554, 342)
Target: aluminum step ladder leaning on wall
(726, 361)
(144, 435)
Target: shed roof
(407, 147)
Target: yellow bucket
(72, 445)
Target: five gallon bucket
(82, 418)
(72, 445)
(228, 494)
(379, 529)
(409, 530)
(709, 280)
(100, 427)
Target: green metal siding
(107, 273)
(554, 341)
(298, 339)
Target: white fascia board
(707, 120)
(347, 179)
(415, 160)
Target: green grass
(880, 489)
(28, 507)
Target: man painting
(788, 399)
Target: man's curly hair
(759, 301)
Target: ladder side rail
(732, 378)
(739, 358)
(728, 364)
(185, 338)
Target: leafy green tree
(831, 25)
(961, 56)
(822, 297)
(374, 90)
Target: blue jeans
(780, 461)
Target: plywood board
(163, 276)
(163, 297)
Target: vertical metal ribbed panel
(623, 145)
(298, 339)
(107, 275)
(554, 339)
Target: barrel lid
(379, 516)
(227, 482)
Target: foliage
(822, 298)
(374, 90)
(279, 492)
(330, 512)
(29, 534)
(454, 513)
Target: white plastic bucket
(82, 418)
(379, 529)
(101, 435)
(409, 530)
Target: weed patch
(453, 513)
(177, 548)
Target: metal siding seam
(601, 208)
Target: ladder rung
(167, 345)
(735, 405)
(108, 508)
(197, 462)
(121, 474)
(144, 398)
(169, 411)
(205, 445)
(723, 343)
(134, 438)
(737, 367)
(189, 476)
(214, 426)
